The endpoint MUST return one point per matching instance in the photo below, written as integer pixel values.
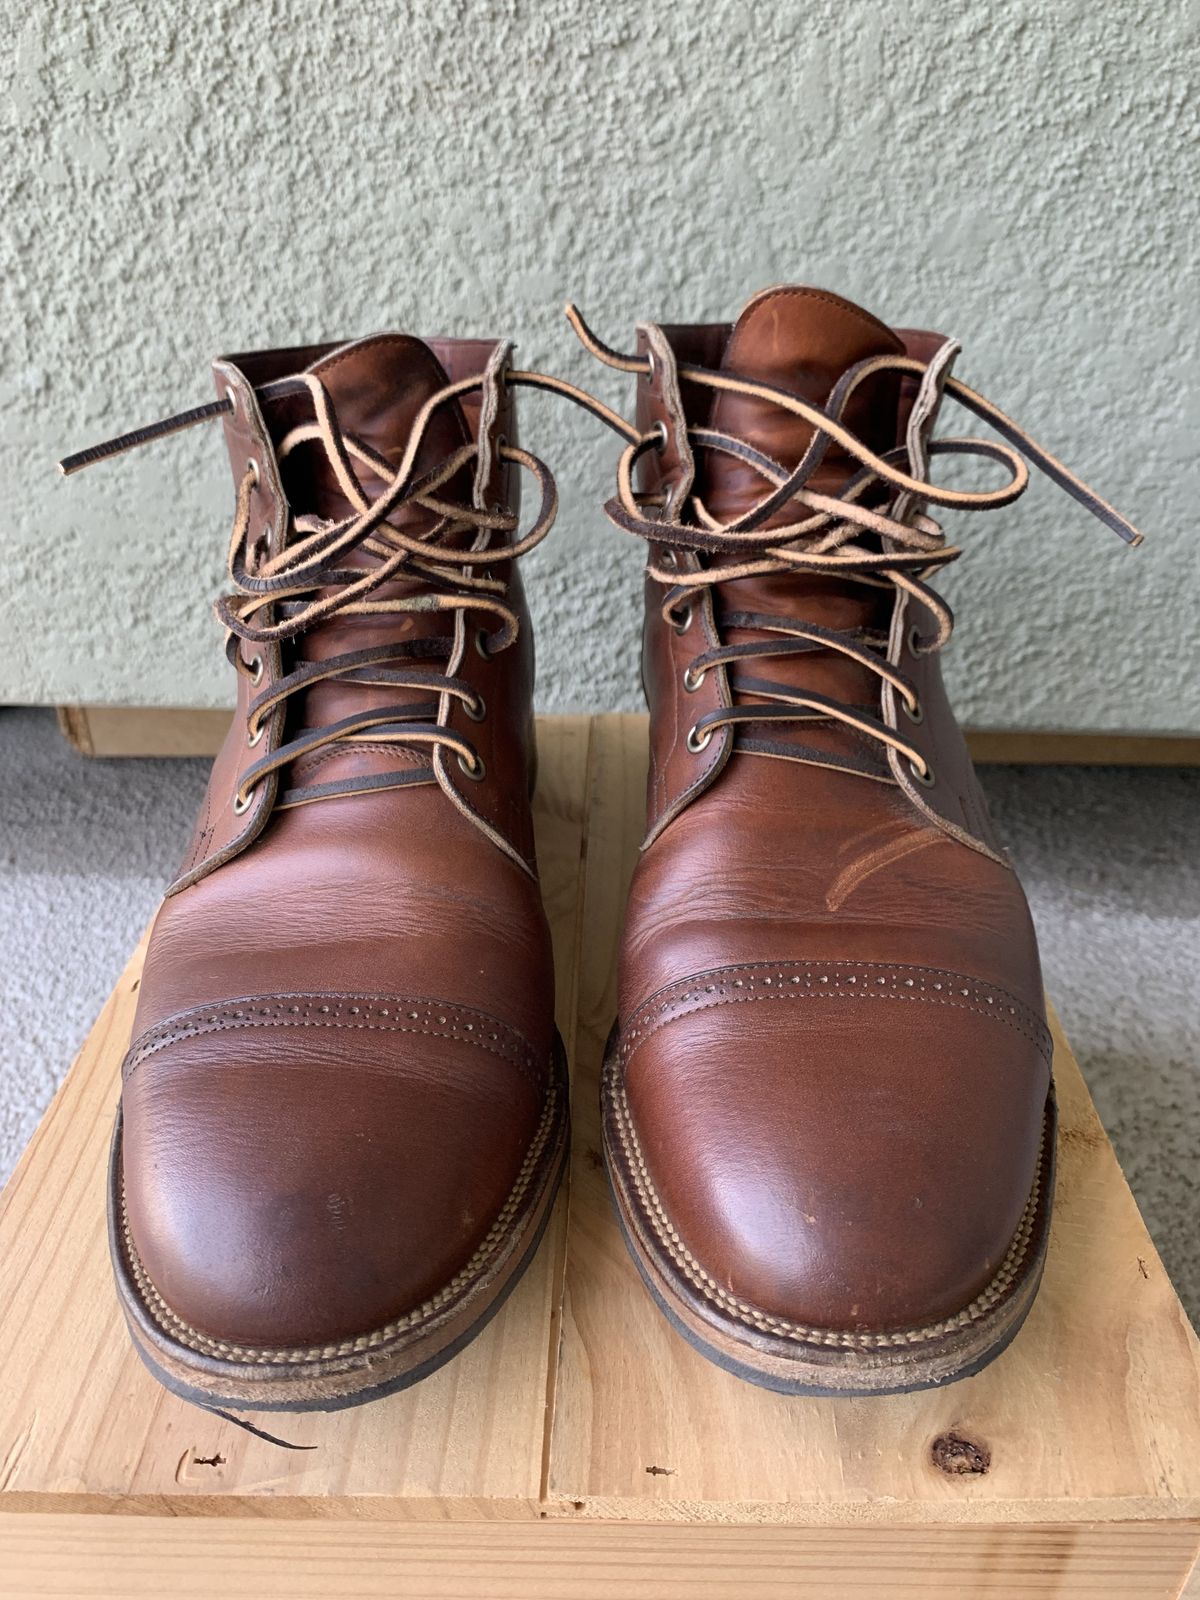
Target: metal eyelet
(693, 678)
(683, 621)
(664, 437)
(475, 772)
(914, 712)
(481, 644)
(669, 559)
(231, 397)
(914, 641)
(926, 779)
(242, 805)
(256, 669)
(651, 370)
(475, 709)
(252, 467)
(698, 741)
(253, 738)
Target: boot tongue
(801, 340)
(377, 387)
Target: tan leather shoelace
(276, 598)
(825, 535)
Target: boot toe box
(302, 1170)
(839, 1146)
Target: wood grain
(82, 1424)
(1092, 1413)
(579, 1448)
(145, 1558)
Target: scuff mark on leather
(872, 861)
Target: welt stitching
(493, 1243)
(745, 1312)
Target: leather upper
(843, 1121)
(345, 1024)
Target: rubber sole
(352, 1371)
(785, 1358)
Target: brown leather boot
(344, 1111)
(828, 1107)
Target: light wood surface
(228, 1558)
(1091, 1414)
(189, 731)
(83, 1425)
(579, 1448)
(143, 730)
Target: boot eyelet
(475, 771)
(664, 438)
(693, 678)
(683, 621)
(697, 741)
(253, 738)
(914, 641)
(669, 559)
(242, 803)
(926, 779)
(231, 400)
(256, 669)
(914, 712)
(481, 644)
(252, 469)
(475, 709)
(651, 369)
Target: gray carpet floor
(1110, 859)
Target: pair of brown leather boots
(828, 1107)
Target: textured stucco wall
(181, 181)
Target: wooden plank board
(82, 1424)
(1093, 1413)
(523, 1468)
(195, 731)
(143, 730)
(145, 1558)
